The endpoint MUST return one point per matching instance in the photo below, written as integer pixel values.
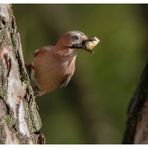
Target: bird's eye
(75, 37)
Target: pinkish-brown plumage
(55, 65)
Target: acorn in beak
(88, 44)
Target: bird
(54, 66)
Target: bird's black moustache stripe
(80, 45)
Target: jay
(54, 66)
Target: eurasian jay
(54, 66)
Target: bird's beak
(87, 44)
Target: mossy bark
(19, 118)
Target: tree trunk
(136, 131)
(19, 118)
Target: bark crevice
(19, 118)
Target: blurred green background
(92, 108)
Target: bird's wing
(36, 52)
(40, 50)
(65, 80)
(69, 73)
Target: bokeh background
(92, 108)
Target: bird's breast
(50, 71)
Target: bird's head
(76, 40)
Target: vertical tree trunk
(137, 123)
(19, 118)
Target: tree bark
(19, 118)
(136, 131)
(137, 121)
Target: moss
(9, 120)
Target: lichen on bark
(19, 118)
